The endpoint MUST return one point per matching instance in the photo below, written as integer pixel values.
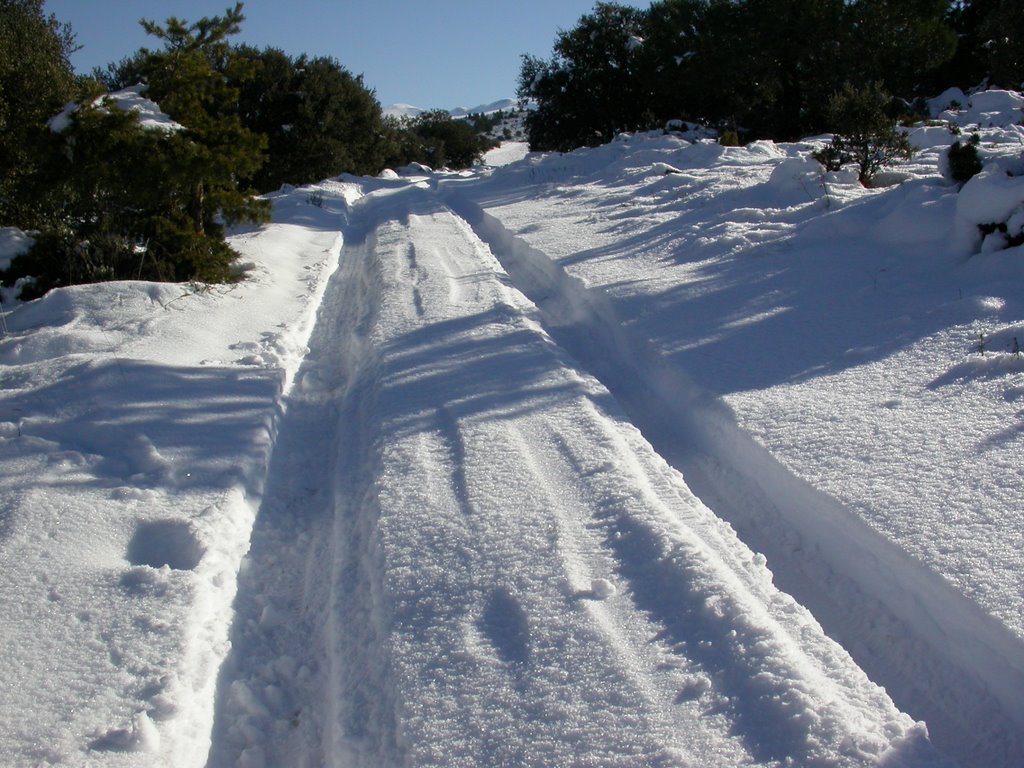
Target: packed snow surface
(660, 453)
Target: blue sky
(429, 53)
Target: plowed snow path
(467, 556)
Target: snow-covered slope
(841, 326)
(502, 105)
(653, 454)
(408, 110)
(402, 110)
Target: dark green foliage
(897, 42)
(762, 67)
(792, 60)
(450, 143)
(863, 133)
(593, 87)
(989, 48)
(36, 80)
(1003, 29)
(319, 119)
(125, 213)
(485, 123)
(434, 139)
(195, 80)
(149, 203)
(963, 159)
(127, 72)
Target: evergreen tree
(36, 80)
(864, 134)
(989, 45)
(142, 202)
(434, 139)
(897, 43)
(592, 87)
(194, 79)
(448, 142)
(761, 67)
(1003, 30)
(669, 60)
(772, 62)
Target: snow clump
(990, 209)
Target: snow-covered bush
(990, 209)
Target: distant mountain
(408, 110)
(505, 105)
(402, 110)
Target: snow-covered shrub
(990, 209)
(863, 133)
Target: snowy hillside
(408, 110)
(660, 453)
(502, 105)
(402, 110)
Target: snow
(992, 196)
(13, 243)
(128, 99)
(506, 153)
(983, 109)
(402, 110)
(658, 453)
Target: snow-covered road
(575, 462)
(466, 555)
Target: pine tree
(1003, 28)
(319, 119)
(864, 134)
(897, 43)
(36, 80)
(591, 89)
(192, 79)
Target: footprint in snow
(505, 624)
(157, 543)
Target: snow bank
(509, 152)
(984, 109)
(798, 179)
(137, 425)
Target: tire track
(939, 657)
